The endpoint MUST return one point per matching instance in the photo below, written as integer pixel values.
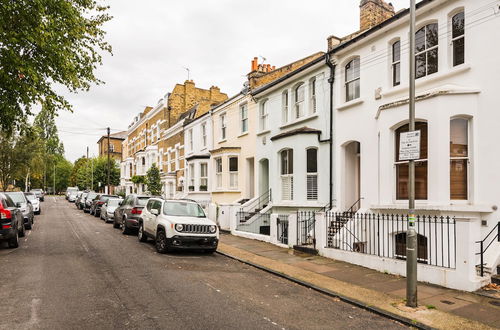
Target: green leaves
(45, 44)
(153, 180)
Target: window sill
(428, 79)
(299, 120)
(263, 132)
(222, 141)
(436, 207)
(223, 191)
(350, 104)
(243, 134)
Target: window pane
(420, 40)
(458, 179)
(300, 94)
(432, 35)
(233, 164)
(458, 51)
(420, 66)
(420, 181)
(312, 164)
(396, 51)
(432, 61)
(458, 25)
(419, 126)
(290, 161)
(396, 74)
(458, 138)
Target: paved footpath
(73, 271)
(440, 307)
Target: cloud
(153, 40)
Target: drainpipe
(331, 80)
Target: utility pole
(92, 175)
(411, 234)
(54, 178)
(87, 180)
(109, 169)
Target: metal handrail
(258, 202)
(356, 202)
(483, 249)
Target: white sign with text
(409, 145)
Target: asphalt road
(72, 271)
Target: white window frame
(395, 63)
(455, 39)
(244, 118)
(350, 83)
(312, 178)
(218, 171)
(286, 178)
(192, 178)
(285, 101)
(204, 134)
(263, 115)
(312, 95)
(466, 158)
(233, 175)
(298, 100)
(203, 176)
(223, 127)
(427, 50)
(190, 139)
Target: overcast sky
(154, 40)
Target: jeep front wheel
(161, 242)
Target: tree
(88, 173)
(153, 180)
(45, 44)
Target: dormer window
(352, 80)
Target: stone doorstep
(379, 300)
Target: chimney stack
(255, 64)
(374, 12)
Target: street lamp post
(411, 234)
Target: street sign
(409, 145)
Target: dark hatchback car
(128, 213)
(98, 202)
(11, 221)
(87, 202)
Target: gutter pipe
(331, 80)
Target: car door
(154, 218)
(119, 210)
(146, 216)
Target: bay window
(459, 158)
(402, 167)
(312, 173)
(286, 157)
(233, 172)
(203, 176)
(218, 172)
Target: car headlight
(179, 227)
(213, 229)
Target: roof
(365, 34)
(297, 131)
(117, 136)
(291, 74)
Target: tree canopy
(46, 44)
(153, 180)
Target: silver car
(24, 205)
(35, 202)
(108, 209)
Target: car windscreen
(91, 196)
(183, 209)
(142, 201)
(106, 197)
(17, 197)
(31, 197)
(113, 202)
(72, 190)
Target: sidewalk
(439, 307)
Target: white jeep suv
(177, 224)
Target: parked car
(69, 190)
(99, 201)
(128, 213)
(72, 196)
(88, 201)
(78, 195)
(108, 209)
(24, 205)
(11, 221)
(38, 193)
(177, 224)
(35, 202)
(80, 201)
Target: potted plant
(191, 188)
(203, 188)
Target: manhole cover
(447, 302)
(495, 302)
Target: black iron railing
(282, 224)
(306, 228)
(384, 235)
(484, 244)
